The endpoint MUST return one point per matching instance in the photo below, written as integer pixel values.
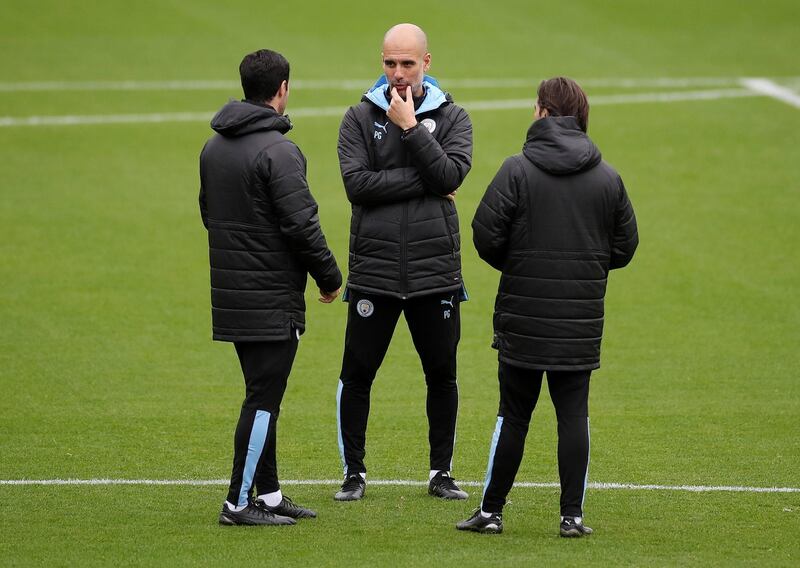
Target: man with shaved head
(403, 151)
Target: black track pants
(519, 392)
(435, 325)
(266, 367)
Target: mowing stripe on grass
(771, 89)
(407, 483)
(360, 84)
(511, 104)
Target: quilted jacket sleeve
(283, 167)
(625, 237)
(491, 226)
(444, 165)
(367, 187)
(202, 197)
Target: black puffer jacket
(554, 220)
(263, 229)
(404, 235)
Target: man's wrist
(410, 128)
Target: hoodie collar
(434, 96)
(243, 117)
(557, 145)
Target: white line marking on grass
(34, 86)
(696, 488)
(629, 98)
(106, 481)
(362, 84)
(344, 85)
(512, 104)
(74, 120)
(771, 89)
(159, 117)
(407, 483)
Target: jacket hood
(557, 145)
(237, 118)
(434, 96)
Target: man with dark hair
(564, 97)
(262, 73)
(403, 152)
(554, 220)
(264, 238)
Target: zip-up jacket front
(404, 234)
(264, 234)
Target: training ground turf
(107, 370)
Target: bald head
(406, 35)
(405, 58)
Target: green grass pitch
(107, 369)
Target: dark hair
(262, 73)
(564, 97)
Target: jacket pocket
(449, 231)
(498, 339)
(240, 226)
(356, 235)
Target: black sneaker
(289, 508)
(444, 486)
(479, 523)
(253, 514)
(573, 527)
(352, 489)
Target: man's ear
(426, 62)
(283, 89)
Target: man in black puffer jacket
(264, 237)
(554, 221)
(404, 151)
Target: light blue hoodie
(434, 96)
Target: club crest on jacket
(429, 123)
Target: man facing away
(264, 238)
(403, 151)
(554, 220)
